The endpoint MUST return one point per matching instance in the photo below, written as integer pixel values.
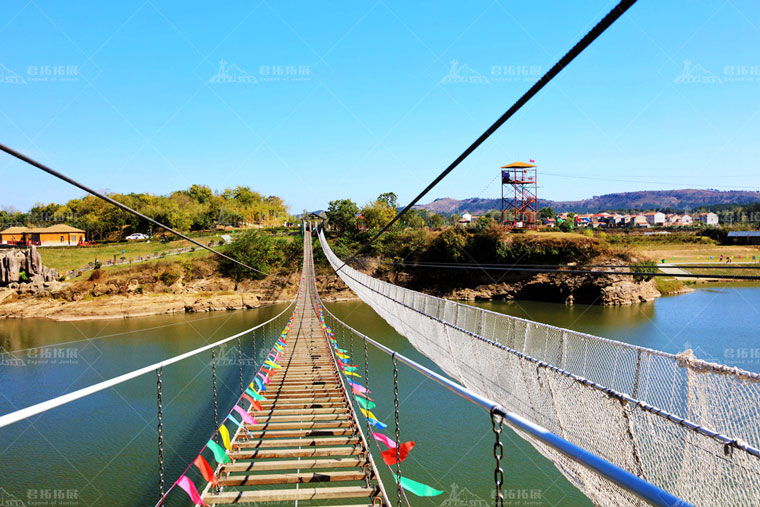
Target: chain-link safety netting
(687, 426)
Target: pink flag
(245, 415)
(384, 439)
(263, 377)
(186, 484)
(532, 161)
(358, 387)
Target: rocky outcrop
(15, 261)
(610, 290)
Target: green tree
(377, 214)
(436, 220)
(546, 212)
(483, 223)
(389, 198)
(342, 213)
(255, 249)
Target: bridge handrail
(25, 413)
(619, 476)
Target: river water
(102, 449)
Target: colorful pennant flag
(377, 424)
(225, 436)
(385, 439)
(415, 487)
(369, 405)
(244, 415)
(186, 484)
(239, 425)
(206, 470)
(389, 456)
(219, 455)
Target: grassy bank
(64, 259)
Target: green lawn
(64, 259)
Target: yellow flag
(225, 436)
(368, 414)
(351, 373)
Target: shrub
(97, 275)
(257, 250)
(22, 276)
(169, 277)
(645, 270)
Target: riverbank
(165, 287)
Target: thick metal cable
(595, 32)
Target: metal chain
(398, 431)
(255, 352)
(366, 386)
(498, 453)
(213, 383)
(160, 405)
(240, 363)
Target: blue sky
(350, 99)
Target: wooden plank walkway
(308, 445)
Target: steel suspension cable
(576, 50)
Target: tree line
(197, 208)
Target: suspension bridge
(624, 424)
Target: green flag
(417, 488)
(219, 455)
(369, 405)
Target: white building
(708, 218)
(655, 218)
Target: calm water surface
(104, 447)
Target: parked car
(137, 235)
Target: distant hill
(646, 199)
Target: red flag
(389, 456)
(254, 403)
(205, 469)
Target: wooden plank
(309, 452)
(291, 478)
(289, 495)
(300, 464)
(311, 432)
(296, 442)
